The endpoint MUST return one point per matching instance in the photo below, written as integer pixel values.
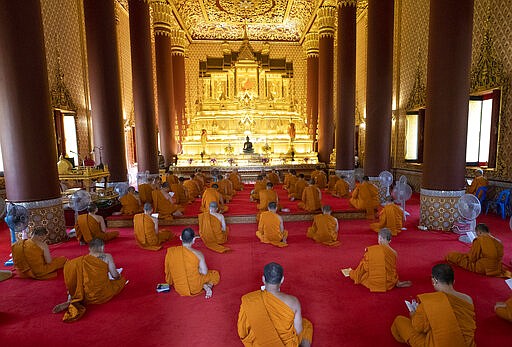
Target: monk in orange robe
(311, 198)
(391, 216)
(186, 269)
(297, 188)
(180, 194)
(130, 204)
(91, 226)
(270, 227)
(485, 254)
(267, 196)
(226, 188)
(235, 178)
(212, 195)
(145, 190)
(377, 269)
(87, 281)
(478, 181)
(269, 317)
(366, 197)
(341, 188)
(171, 178)
(273, 177)
(213, 229)
(443, 318)
(145, 228)
(192, 188)
(259, 185)
(325, 228)
(504, 309)
(333, 179)
(32, 257)
(289, 180)
(164, 204)
(319, 177)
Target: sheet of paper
(471, 236)
(171, 194)
(118, 270)
(509, 282)
(346, 272)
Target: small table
(86, 176)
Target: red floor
(342, 313)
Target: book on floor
(411, 305)
(346, 272)
(163, 287)
(118, 270)
(509, 282)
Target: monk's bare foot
(305, 343)
(61, 307)
(177, 214)
(208, 290)
(404, 284)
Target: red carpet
(342, 313)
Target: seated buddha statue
(248, 149)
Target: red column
(105, 85)
(143, 86)
(346, 85)
(379, 86)
(311, 44)
(326, 18)
(178, 72)
(451, 25)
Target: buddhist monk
(164, 204)
(332, 182)
(269, 317)
(319, 177)
(267, 196)
(145, 190)
(504, 309)
(87, 281)
(226, 188)
(377, 269)
(92, 226)
(341, 188)
(259, 185)
(192, 188)
(270, 227)
(391, 216)
(32, 257)
(366, 197)
(212, 195)
(325, 228)
(213, 229)
(273, 177)
(171, 178)
(289, 179)
(180, 193)
(130, 203)
(311, 198)
(485, 254)
(478, 181)
(235, 178)
(145, 228)
(443, 318)
(186, 269)
(297, 188)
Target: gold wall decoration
(418, 96)
(61, 97)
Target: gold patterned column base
(382, 190)
(438, 208)
(49, 214)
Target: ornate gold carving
(347, 3)
(311, 44)
(178, 41)
(61, 97)
(418, 96)
(326, 19)
(163, 18)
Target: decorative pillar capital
(163, 17)
(178, 41)
(311, 44)
(342, 3)
(327, 19)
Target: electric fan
(16, 219)
(386, 179)
(79, 201)
(469, 208)
(121, 188)
(401, 193)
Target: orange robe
(171, 179)
(477, 182)
(289, 181)
(269, 229)
(377, 269)
(130, 204)
(182, 272)
(180, 194)
(210, 230)
(391, 217)
(163, 206)
(484, 257)
(144, 230)
(265, 320)
(211, 195)
(88, 228)
(87, 281)
(311, 200)
(341, 188)
(192, 189)
(324, 230)
(333, 179)
(505, 312)
(320, 178)
(266, 197)
(145, 190)
(273, 177)
(366, 197)
(258, 187)
(236, 180)
(297, 188)
(440, 320)
(30, 263)
(226, 189)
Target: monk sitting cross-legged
(341, 188)
(297, 188)
(213, 229)
(235, 178)
(259, 185)
(331, 185)
(164, 204)
(377, 269)
(269, 317)
(485, 254)
(391, 217)
(270, 227)
(146, 230)
(319, 177)
(186, 270)
(212, 195)
(32, 257)
(325, 228)
(180, 194)
(311, 198)
(87, 281)
(366, 197)
(130, 204)
(273, 177)
(443, 318)
(504, 309)
(478, 181)
(226, 188)
(192, 188)
(91, 226)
